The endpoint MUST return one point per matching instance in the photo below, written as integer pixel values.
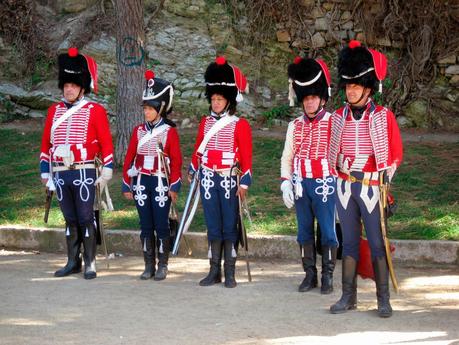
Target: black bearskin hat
(73, 68)
(158, 93)
(226, 80)
(309, 77)
(356, 65)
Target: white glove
(287, 194)
(132, 172)
(50, 184)
(105, 176)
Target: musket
(99, 219)
(49, 198)
(383, 186)
(173, 213)
(245, 243)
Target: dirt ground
(118, 308)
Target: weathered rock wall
(186, 35)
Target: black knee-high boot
(348, 300)
(215, 272)
(148, 249)
(308, 258)
(90, 247)
(164, 246)
(382, 286)
(73, 265)
(328, 267)
(230, 264)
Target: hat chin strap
(318, 110)
(361, 97)
(224, 112)
(161, 110)
(78, 99)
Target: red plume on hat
(241, 83)
(380, 62)
(92, 67)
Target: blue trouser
(76, 192)
(153, 204)
(220, 204)
(318, 201)
(358, 203)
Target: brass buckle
(352, 179)
(366, 181)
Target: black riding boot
(215, 273)
(148, 248)
(230, 264)
(328, 266)
(164, 246)
(382, 286)
(90, 248)
(308, 257)
(73, 252)
(348, 300)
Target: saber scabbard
(99, 217)
(173, 213)
(245, 243)
(383, 186)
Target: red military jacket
(306, 147)
(370, 144)
(145, 158)
(233, 143)
(86, 133)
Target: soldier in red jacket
(223, 146)
(151, 181)
(76, 132)
(307, 182)
(365, 142)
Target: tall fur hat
(226, 80)
(363, 66)
(78, 69)
(158, 93)
(308, 77)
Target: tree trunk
(130, 38)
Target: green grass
(426, 189)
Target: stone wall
(187, 35)
(330, 22)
